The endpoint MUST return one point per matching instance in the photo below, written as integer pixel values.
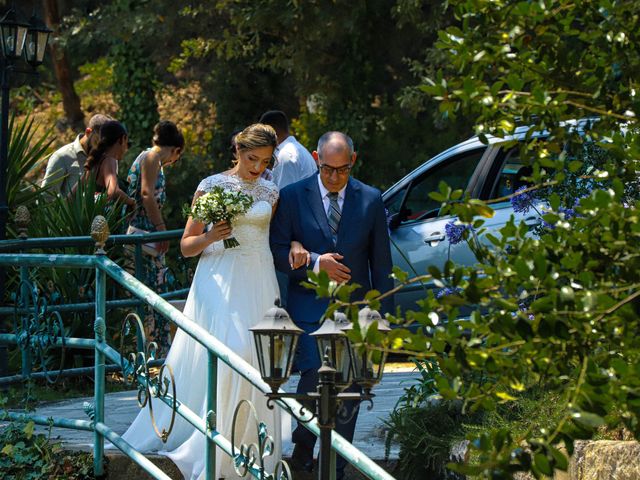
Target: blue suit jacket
(363, 240)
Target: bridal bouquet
(218, 205)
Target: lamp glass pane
(43, 38)
(281, 349)
(260, 351)
(367, 365)
(265, 353)
(31, 46)
(20, 37)
(342, 361)
(9, 34)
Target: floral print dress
(154, 269)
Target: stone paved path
(121, 408)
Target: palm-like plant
(27, 152)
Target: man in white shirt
(66, 165)
(293, 161)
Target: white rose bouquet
(218, 205)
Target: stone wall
(601, 460)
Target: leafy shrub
(25, 455)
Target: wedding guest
(66, 165)
(147, 187)
(105, 151)
(293, 161)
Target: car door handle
(532, 221)
(434, 237)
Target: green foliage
(327, 71)
(97, 77)
(25, 455)
(559, 308)
(134, 87)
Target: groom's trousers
(308, 383)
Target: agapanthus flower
(522, 201)
(565, 213)
(446, 291)
(455, 231)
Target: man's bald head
(335, 142)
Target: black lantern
(276, 337)
(13, 35)
(36, 41)
(368, 363)
(333, 341)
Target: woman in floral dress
(147, 186)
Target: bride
(231, 291)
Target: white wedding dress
(232, 289)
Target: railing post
(212, 397)
(25, 297)
(99, 382)
(100, 233)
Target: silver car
(418, 230)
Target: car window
(455, 171)
(511, 175)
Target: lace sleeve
(208, 183)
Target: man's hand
(330, 263)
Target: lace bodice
(260, 189)
(251, 229)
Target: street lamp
(36, 41)
(332, 341)
(335, 374)
(15, 34)
(368, 364)
(276, 338)
(18, 38)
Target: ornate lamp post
(18, 38)
(15, 35)
(335, 374)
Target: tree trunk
(70, 99)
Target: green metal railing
(41, 329)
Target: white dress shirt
(324, 194)
(293, 163)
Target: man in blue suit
(342, 223)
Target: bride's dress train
(231, 291)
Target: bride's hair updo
(256, 136)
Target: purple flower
(522, 201)
(567, 212)
(446, 291)
(455, 232)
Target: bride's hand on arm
(298, 256)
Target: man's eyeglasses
(328, 170)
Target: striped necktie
(334, 214)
